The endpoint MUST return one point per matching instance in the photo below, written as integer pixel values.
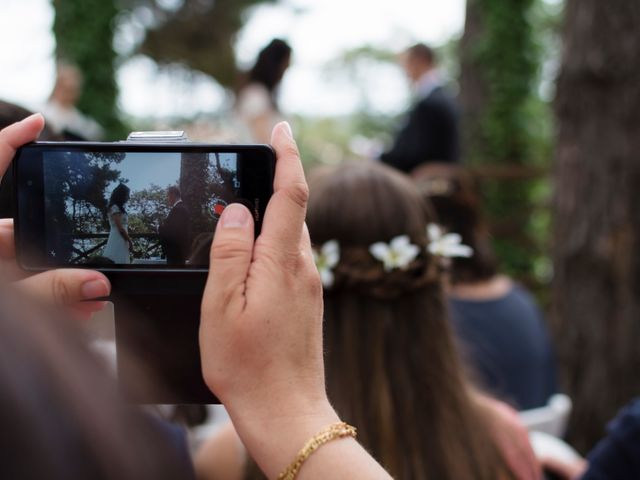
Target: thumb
(66, 286)
(230, 258)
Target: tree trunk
(193, 186)
(497, 77)
(474, 91)
(84, 37)
(596, 313)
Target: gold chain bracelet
(332, 432)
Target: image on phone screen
(140, 208)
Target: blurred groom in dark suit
(430, 132)
(174, 231)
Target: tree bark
(474, 91)
(193, 186)
(596, 297)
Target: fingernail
(31, 117)
(94, 289)
(235, 216)
(287, 130)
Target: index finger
(16, 135)
(286, 211)
(7, 245)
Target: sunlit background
(345, 96)
(320, 31)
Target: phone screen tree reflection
(149, 208)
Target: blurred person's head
(11, 113)
(68, 86)
(173, 194)
(61, 412)
(271, 64)
(119, 197)
(453, 194)
(417, 60)
(391, 366)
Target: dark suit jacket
(174, 235)
(429, 135)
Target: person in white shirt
(60, 110)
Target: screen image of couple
(117, 208)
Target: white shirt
(427, 83)
(61, 118)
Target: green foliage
(148, 208)
(515, 130)
(329, 140)
(84, 36)
(509, 62)
(76, 198)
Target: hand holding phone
(263, 305)
(68, 286)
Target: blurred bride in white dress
(256, 106)
(119, 243)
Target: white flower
(326, 260)
(446, 245)
(397, 254)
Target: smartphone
(131, 207)
(145, 215)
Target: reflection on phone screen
(142, 208)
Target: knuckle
(60, 290)
(229, 250)
(299, 193)
(312, 279)
(291, 150)
(212, 378)
(278, 258)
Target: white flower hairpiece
(446, 245)
(326, 259)
(399, 253)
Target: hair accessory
(326, 260)
(399, 253)
(436, 187)
(447, 245)
(332, 432)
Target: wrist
(274, 433)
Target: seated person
(616, 457)
(391, 365)
(501, 329)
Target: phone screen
(120, 207)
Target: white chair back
(551, 419)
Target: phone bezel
(257, 162)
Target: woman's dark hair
(270, 65)
(61, 413)
(391, 366)
(451, 191)
(119, 197)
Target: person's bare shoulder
(222, 457)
